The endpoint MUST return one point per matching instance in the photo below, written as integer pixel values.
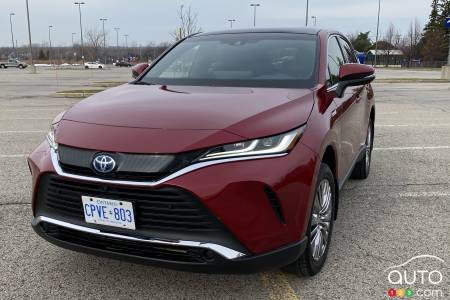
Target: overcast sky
(152, 20)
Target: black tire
(20, 66)
(3, 67)
(362, 168)
(100, 67)
(86, 67)
(307, 265)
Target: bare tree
(416, 36)
(188, 23)
(392, 40)
(94, 43)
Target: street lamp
(12, 32)
(254, 5)
(315, 20)
(307, 12)
(81, 29)
(126, 44)
(376, 39)
(33, 68)
(49, 41)
(231, 22)
(104, 36)
(117, 36)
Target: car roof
(296, 30)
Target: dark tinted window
(349, 54)
(252, 60)
(335, 60)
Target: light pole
(231, 22)
(49, 41)
(315, 20)
(12, 32)
(376, 39)
(81, 30)
(33, 68)
(307, 12)
(117, 40)
(254, 5)
(104, 36)
(126, 44)
(117, 36)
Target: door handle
(333, 113)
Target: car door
(346, 111)
(360, 122)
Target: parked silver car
(13, 63)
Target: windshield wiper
(142, 83)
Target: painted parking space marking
(21, 131)
(21, 119)
(32, 109)
(412, 148)
(278, 286)
(13, 155)
(423, 194)
(412, 125)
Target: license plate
(108, 212)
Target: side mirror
(138, 69)
(354, 75)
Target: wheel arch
(330, 159)
(372, 114)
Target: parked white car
(94, 65)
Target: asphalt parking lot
(401, 211)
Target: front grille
(169, 208)
(141, 249)
(133, 167)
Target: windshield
(243, 60)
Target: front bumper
(179, 255)
(235, 193)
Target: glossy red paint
(138, 69)
(173, 119)
(246, 112)
(351, 71)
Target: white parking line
(412, 125)
(411, 148)
(20, 119)
(13, 155)
(21, 131)
(32, 109)
(423, 194)
(388, 113)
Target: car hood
(185, 118)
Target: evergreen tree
(435, 41)
(362, 42)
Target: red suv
(227, 154)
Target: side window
(349, 54)
(335, 60)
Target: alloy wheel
(321, 219)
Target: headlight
(277, 144)
(51, 137)
(52, 132)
